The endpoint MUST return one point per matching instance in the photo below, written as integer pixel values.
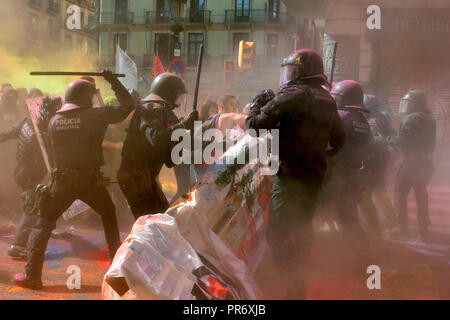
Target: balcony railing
(117, 18)
(259, 17)
(198, 16)
(283, 19)
(158, 17)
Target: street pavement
(410, 268)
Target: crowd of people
(334, 144)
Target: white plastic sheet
(223, 219)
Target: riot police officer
(75, 137)
(416, 140)
(374, 168)
(30, 171)
(148, 144)
(309, 131)
(342, 184)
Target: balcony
(111, 18)
(248, 16)
(35, 4)
(53, 7)
(262, 17)
(159, 17)
(198, 16)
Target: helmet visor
(405, 106)
(97, 99)
(288, 73)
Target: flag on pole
(157, 67)
(124, 64)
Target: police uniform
(308, 121)
(342, 182)
(74, 144)
(29, 172)
(309, 131)
(373, 174)
(148, 145)
(416, 140)
(146, 149)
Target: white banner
(125, 65)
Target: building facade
(83, 40)
(42, 28)
(409, 50)
(144, 28)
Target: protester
(207, 109)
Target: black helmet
(371, 102)
(79, 94)
(168, 86)
(349, 95)
(414, 100)
(302, 64)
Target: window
(242, 13)
(197, 11)
(121, 6)
(162, 47)
(121, 39)
(162, 11)
(195, 40)
(197, 4)
(121, 9)
(273, 10)
(272, 45)
(237, 37)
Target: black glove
(188, 122)
(261, 99)
(109, 76)
(122, 94)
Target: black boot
(18, 252)
(22, 280)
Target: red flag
(157, 67)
